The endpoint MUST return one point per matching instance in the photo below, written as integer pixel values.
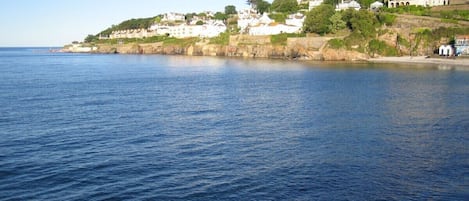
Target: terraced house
(425, 3)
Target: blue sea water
(149, 127)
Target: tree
(230, 10)
(365, 3)
(220, 16)
(285, 6)
(364, 23)
(200, 22)
(336, 23)
(263, 6)
(318, 19)
(189, 16)
(90, 38)
(157, 19)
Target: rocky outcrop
(306, 48)
(343, 55)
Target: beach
(441, 62)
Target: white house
(132, 33)
(376, 5)
(314, 3)
(265, 19)
(295, 20)
(425, 3)
(346, 5)
(273, 29)
(246, 18)
(210, 29)
(172, 17)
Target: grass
(281, 39)
(154, 39)
(222, 39)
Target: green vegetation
(278, 17)
(184, 42)
(386, 18)
(90, 38)
(142, 23)
(336, 23)
(427, 11)
(263, 6)
(363, 22)
(222, 39)
(281, 39)
(317, 20)
(284, 6)
(365, 3)
(154, 39)
(412, 10)
(330, 2)
(336, 43)
(230, 10)
(453, 14)
(380, 47)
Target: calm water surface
(131, 127)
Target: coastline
(441, 63)
(286, 52)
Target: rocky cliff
(303, 48)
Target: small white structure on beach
(445, 50)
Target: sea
(158, 127)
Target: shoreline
(441, 63)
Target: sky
(54, 23)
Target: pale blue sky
(58, 22)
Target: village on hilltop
(249, 21)
(252, 22)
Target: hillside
(399, 31)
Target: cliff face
(306, 48)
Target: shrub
(381, 48)
(386, 18)
(222, 39)
(336, 43)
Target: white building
(425, 3)
(210, 29)
(462, 44)
(445, 50)
(376, 5)
(314, 3)
(254, 24)
(247, 18)
(173, 17)
(273, 29)
(295, 20)
(346, 5)
(79, 48)
(132, 33)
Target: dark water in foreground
(130, 127)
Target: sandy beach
(440, 62)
